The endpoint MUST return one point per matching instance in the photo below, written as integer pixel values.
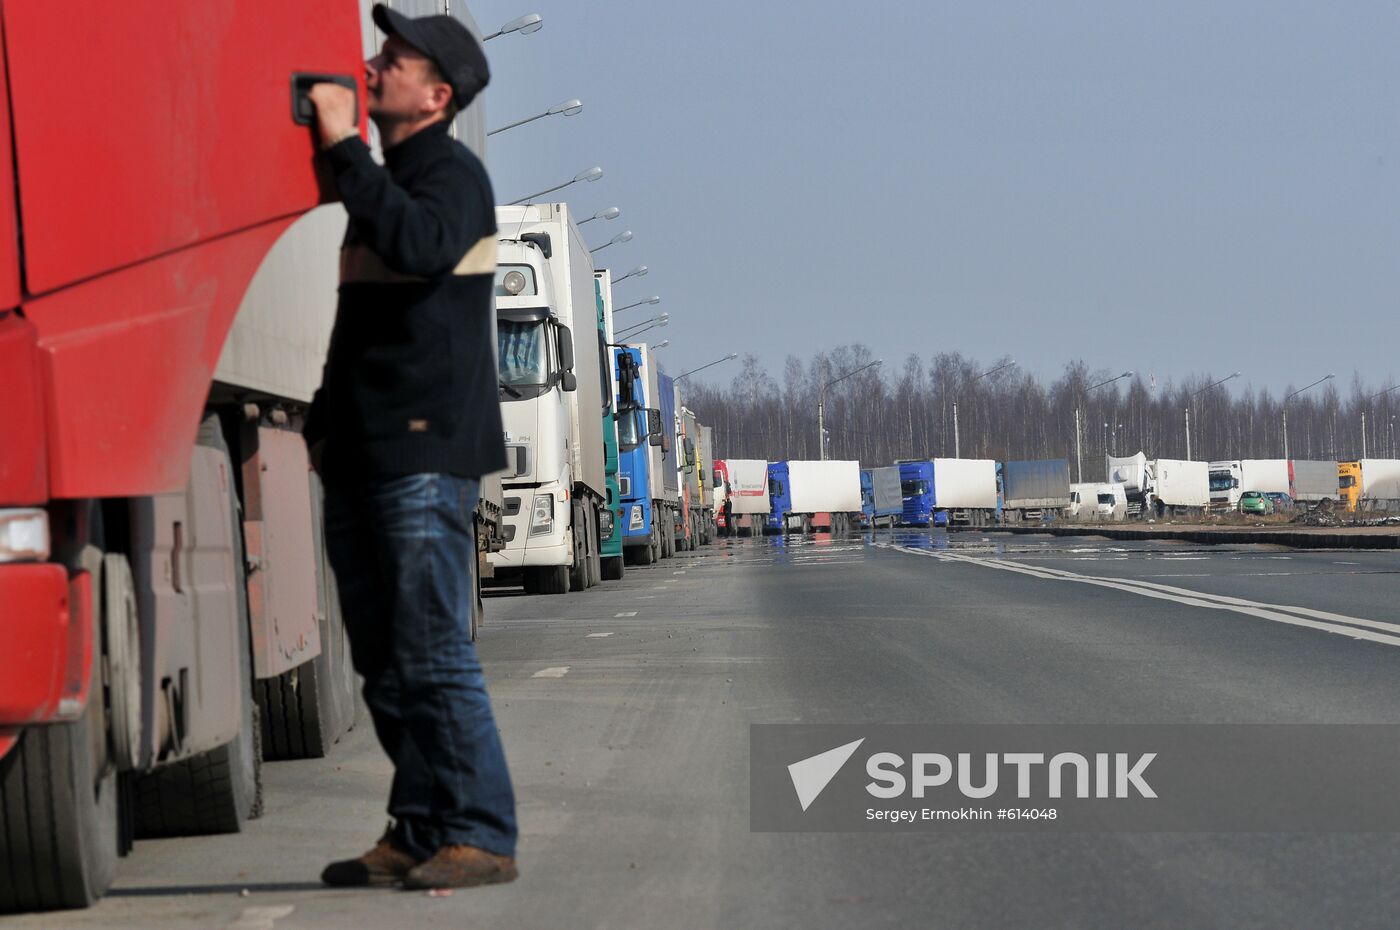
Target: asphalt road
(626, 709)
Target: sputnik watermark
(1173, 778)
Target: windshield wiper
(511, 391)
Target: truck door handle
(303, 111)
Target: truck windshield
(524, 355)
(1107, 499)
(913, 488)
(1347, 481)
(628, 430)
(1222, 481)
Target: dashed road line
(558, 671)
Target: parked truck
(1177, 486)
(609, 519)
(710, 480)
(814, 496)
(916, 488)
(749, 503)
(1232, 477)
(1131, 472)
(639, 430)
(690, 532)
(165, 598)
(966, 491)
(723, 518)
(1314, 481)
(666, 484)
(881, 496)
(1369, 484)
(1035, 490)
(553, 385)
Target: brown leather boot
(461, 867)
(382, 865)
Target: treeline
(896, 411)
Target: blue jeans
(403, 550)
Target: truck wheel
(307, 709)
(595, 555)
(58, 801)
(613, 569)
(578, 573)
(551, 579)
(215, 791)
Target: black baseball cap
(447, 43)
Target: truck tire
(595, 554)
(219, 790)
(307, 709)
(549, 579)
(671, 536)
(578, 574)
(613, 569)
(59, 803)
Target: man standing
(406, 421)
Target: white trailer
(824, 487)
(748, 494)
(966, 489)
(557, 486)
(1314, 481)
(1177, 484)
(1380, 484)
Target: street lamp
(661, 319)
(1289, 397)
(590, 174)
(638, 272)
(637, 332)
(1364, 402)
(957, 447)
(1188, 408)
(624, 236)
(821, 404)
(567, 108)
(611, 213)
(728, 358)
(525, 25)
(653, 299)
(1078, 445)
(661, 345)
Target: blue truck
(779, 498)
(881, 496)
(916, 487)
(638, 430)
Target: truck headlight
(24, 535)
(635, 521)
(542, 515)
(605, 524)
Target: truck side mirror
(566, 349)
(689, 454)
(655, 436)
(568, 381)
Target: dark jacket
(410, 382)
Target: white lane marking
(626, 613)
(682, 572)
(590, 636)
(260, 918)
(1353, 627)
(1348, 563)
(558, 671)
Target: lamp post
(624, 236)
(525, 25)
(637, 272)
(728, 358)
(661, 345)
(611, 213)
(821, 404)
(567, 108)
(653, 299)
(1078, 445)
(1289, 397)
(661, 319)
(957, 446)
(590, 174)
(1364, 402)
(1188, 408)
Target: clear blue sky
(1173, 188)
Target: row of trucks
(755, 496)
(606, 467)
(168, 617)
